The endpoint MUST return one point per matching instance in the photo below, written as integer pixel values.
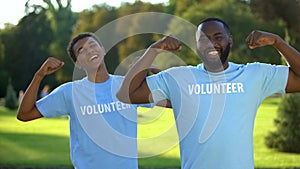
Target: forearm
(29, 99)
(291, 55)
(134, 88)
(136, 75)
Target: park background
(46, 29)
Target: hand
(260, 38)
(50, 65)
(168, 43)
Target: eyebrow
(90, 42)
(79, 49)
(202, 35)
(219, 33)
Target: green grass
(45, 142)
(158, 141)
(265, 157)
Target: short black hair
(218, 20)
(70, 50)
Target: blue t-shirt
(103, 130)
(215, 112)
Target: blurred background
(47, 26)
(37, 29)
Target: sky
(13, 10)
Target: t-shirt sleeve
(54, 104)
(158, 86)
(275, 81)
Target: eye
(219, 38)
(204, 39)
(81, 51)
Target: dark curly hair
(218, 20)
(70, 50)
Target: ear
(230, 41)
(103, 50)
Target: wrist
(154, 49)
(39, 76)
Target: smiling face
(89, 53)
(213, 45)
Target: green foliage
(241, 21)
(3, 84)
(285, 11)
(135, 43)
(2, 49)
(62, 20)
(26, 48)
(11, 100)
(46, 31)
(287, 135)
(90, 20)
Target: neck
(99, 76)
(216, 70)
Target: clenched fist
(49, 66)
(168, 43)
(261, 38)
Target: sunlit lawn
(45, 142)
(37, 143)
(265, 157)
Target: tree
(135, 42)
(26, 48)
(3, 72)
(62, 21)
(182, 5)
(11, 100)
(241, 21)
(287, 134)
(287, 11)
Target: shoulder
(65, 86)
(265, 70)
(262, 66)
(116, 79)
(64, 89)
(179, 73)
(255, 65)
(180, 69)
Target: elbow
(21, 118)
(123, 97)
(25, 114)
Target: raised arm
(134, 88)
(291, 55)
(27, 109)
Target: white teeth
(213, 52)
(93, 57)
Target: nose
(89, 50)
(214, 42)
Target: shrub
(11, 100)
(286, 138)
